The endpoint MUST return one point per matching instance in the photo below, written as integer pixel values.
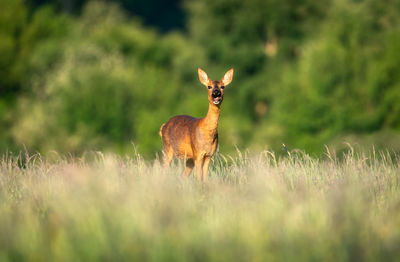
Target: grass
(254, 208)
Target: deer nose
(216, 93)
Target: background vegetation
(77, 75)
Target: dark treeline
(80, 75)
(165, 15)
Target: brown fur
(195, 139)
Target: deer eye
(222, 87)
(209, 87)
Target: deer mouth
(216, 100)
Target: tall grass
(254, 208)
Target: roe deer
(196, 139)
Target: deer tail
(162, 126)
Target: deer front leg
(206, 164)
(198, 163)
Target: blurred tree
(344, 80)
(106, 83)
(307, 73)
(13, 20)
(259, 39)
(165, 15)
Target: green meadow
(255, 207)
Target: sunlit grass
(255, 207)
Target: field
(255, 207)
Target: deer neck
(210, 121)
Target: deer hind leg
(189, 166)
(167, 157)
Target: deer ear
(227, 79)
(202, 76)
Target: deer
(195, 139)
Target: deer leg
(199, 167)
(167, 158)
(189, 166)
(206, 164)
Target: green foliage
(343, 80)
(307, 73)
(310, 71)
(12, 22)
(105, 84)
